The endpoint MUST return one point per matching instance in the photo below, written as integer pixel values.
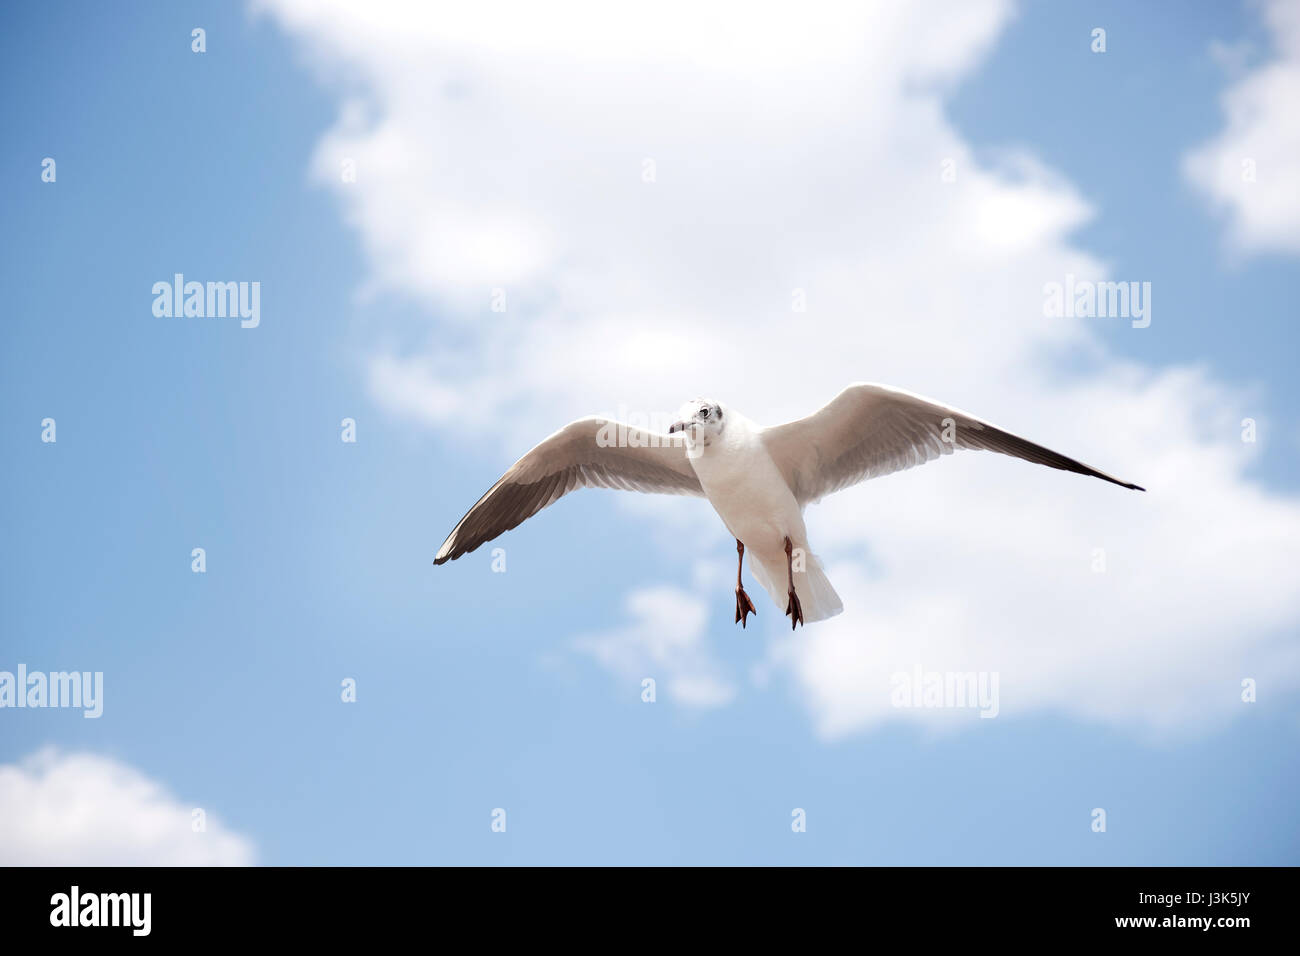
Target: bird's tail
(816, 596)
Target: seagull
(759, 480)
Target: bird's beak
(676, 427)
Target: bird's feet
(793, 610)
(744, 606)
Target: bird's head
(700, 420)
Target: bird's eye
(704, 413)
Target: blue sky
(223, 687)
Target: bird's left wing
(871, 430)
(588, 453)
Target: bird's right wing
(871, 430)
(588, 453)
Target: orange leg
(792, 608)
(744, 606)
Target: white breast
(746, 489)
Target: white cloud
(803, 154)
(1251, 170)
(1144, 610)
(79, 809)
(665, 641)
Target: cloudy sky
(471, 226)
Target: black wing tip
(1123, 484)
(452, 553)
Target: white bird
(758, 479)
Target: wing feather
(588, 453)
(871, 430)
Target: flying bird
(759, 480)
